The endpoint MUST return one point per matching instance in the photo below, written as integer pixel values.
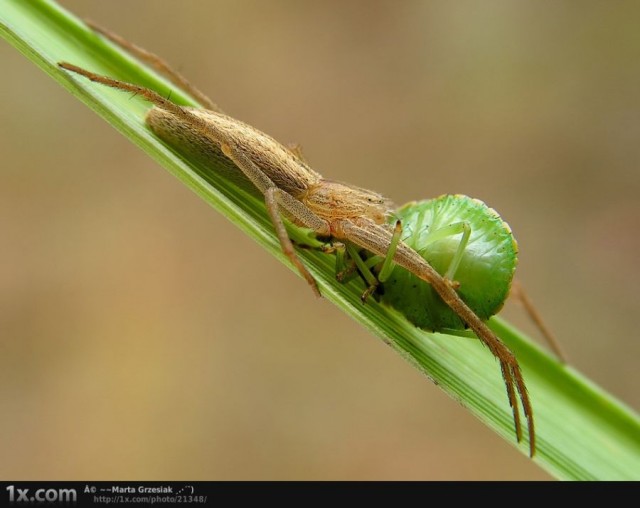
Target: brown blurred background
(144, 336)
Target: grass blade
(583, 432)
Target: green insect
(466, 242)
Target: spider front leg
(377, 239)
(511, 372)
(160, 65)
(365, 266)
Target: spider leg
(377, 239)
(518, 292)
(160, 65)
(276, 200)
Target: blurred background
(144, 336)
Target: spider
(333, 210)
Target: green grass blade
(583, 432)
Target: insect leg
(369, 277)
(365, 267)
(451, 230)
(377, 239)
(158, 64)
(387, 265)
(346, 269)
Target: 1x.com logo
(17, 495)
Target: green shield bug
(465, 241)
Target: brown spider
(291, 188)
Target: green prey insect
(466, 242)
(333, 210)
